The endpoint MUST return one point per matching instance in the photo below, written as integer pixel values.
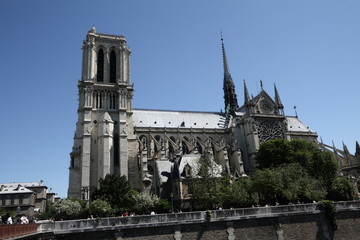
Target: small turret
(246, 95)
(92, 30)
(345, 148)
(336, 154)
(248, 102)
(278, 102)
(357, 151)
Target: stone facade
(151, 146)
(25, 198)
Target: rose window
(269, 131)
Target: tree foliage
(342, 190)
(238, 193)
(67, 209)
(318, 164)
(206, 190)
(145, 203)
(288, 171)
(115, 190)
(100, 208)
(287, 183)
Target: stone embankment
(298, 221)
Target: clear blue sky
(310, 49)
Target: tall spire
(231, 103)
(246, 94)
(278, 101)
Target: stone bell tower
(103, 128)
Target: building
(151, 147)
(25, 198)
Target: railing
(101, 224)
(15, 230)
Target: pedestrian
(9, 220)
(24, 220)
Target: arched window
(171, 148)
(185, 149)
(116, 150)
(112, 67)
(199, 148)
(100, 66)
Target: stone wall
(295, 222)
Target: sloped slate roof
(175, 119)
(164, 169)
(295, 125)
(10, 189)
(193, 161)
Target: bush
(342, 190)
(67, 209)
(100, 208)
(145, 203)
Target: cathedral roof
(295, 125)
(192, 160)
(163, 168)
(175, 119)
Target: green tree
(274, 153)
(206, 190)
(67, 209)
(342, 190)
(286, 183)
(49, 211)
(115, 190)
(100, 208)
(268, 184)
(145, 203)
(318, 163)
(238, 193)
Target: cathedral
(159, 150)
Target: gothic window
(159, 142)
(112, 100)
(100, 66)
(171, 151)
(98, 99)
(72, 162)
(185, 149)
(112, 67)
(269, 130)
(116, 150)
(144, 141)
(266, 106)
(187, 171)
(198, 146)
